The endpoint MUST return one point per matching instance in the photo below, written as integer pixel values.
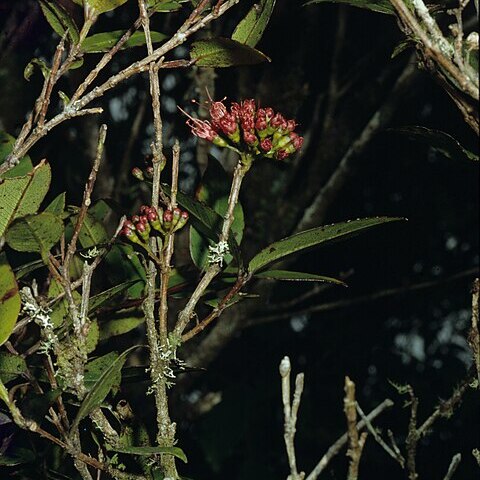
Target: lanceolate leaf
(101, 6)
(438, 140)
(313, 237)
(163, 5)
(297, 277)
(11, 366)
(206, 221)
(250, 30)
(148, 451)
(21, 196)
(119, 326)
(35, 233)
(380, 6)
(102, 387)
(97, 367)
(59, 19)
(224, 52)
(9, 300)
(102, 42)
(98, 300)
(57, 205)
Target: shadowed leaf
(250, 30)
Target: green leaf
(21, 196)
(119, 326)
(11, 366)
(30, 68)
(297, 277)
(92, 232)
(102, 6)
(215, 302)
(103, 42)
(380, 6)
(102, 387)
(206, 221)
(94, 369)
(163, 5)
(214, 190)
(314, 237)
(57, 205)
(224, 52)
(148, 451)
(93, 337)
(35, 233)
(20, 456)
(250, 30)
(438, 140)
(9, 299)
(98, 300)
(401, 47)
(59, 19)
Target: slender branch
(453, 466)
(212, 271)
(337, 446)
(356, 442)
(474, 334)
(290, 411)
(395, 454)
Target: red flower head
(244, 126)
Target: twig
(356, 442)
(290, 411)
(453, 466)
(77, 107)
(395, 454)
(212, 271)
(474, 334)
(337, 446)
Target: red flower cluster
(139, 227)
(260, 130)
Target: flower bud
(149, 172)
(138, 174)
(181, 221)
(167, 220)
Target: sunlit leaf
(250, 30)
(57, 205)
(23, 167)
(313, 237)
(9, 299)
(102, 42)
(224, 52)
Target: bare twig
(356, 442)
(290, 411)
(474, 334)
(337, 446)
(395, 453)
(453, 466)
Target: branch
(356, 443)
(474, 334)
(453, 466)
(337, 446)
(290, 411)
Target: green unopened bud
(138, 174)
(182, 220)
(220, 142)
(235, 136)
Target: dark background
(415, 336)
